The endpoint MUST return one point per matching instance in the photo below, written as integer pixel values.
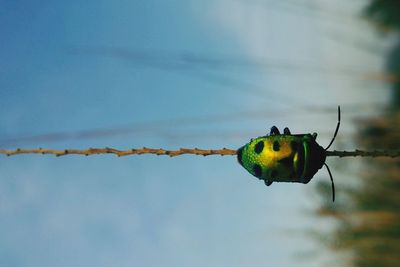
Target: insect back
(286, 157)
(282, 157)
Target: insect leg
(267, 183)
(274, 130)
(314, 136)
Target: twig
(181, 151)
(361, 153)
(120, 153)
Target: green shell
(282, 157)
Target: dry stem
(119, 153)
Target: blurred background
(207, 74)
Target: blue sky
(67, 67)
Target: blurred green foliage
(368, 215)
(385, 13)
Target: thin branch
(120, 153)
(174, 153)
(361, 153)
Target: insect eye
(274, 174)
(276, 146)
(258, 148)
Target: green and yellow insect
(285, 157)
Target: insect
(272, 158)
(285, 157)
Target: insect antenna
(333, 185)
(336, 131)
